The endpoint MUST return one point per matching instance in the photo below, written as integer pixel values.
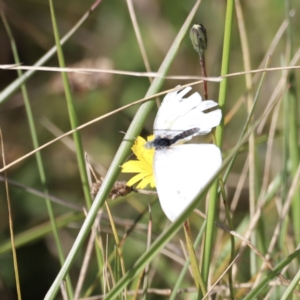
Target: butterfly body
(165, 142)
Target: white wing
(177, 114)
(181, 172)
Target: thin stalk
(146, 276)
(117, 241)
(139, 37)
(213, 198)
(293, 124)
(38, 155)
(165, 237)
(253, 294)
(87, 258)
(11, 225)
(232, 243)
(15, 85)
(199, 41)
(252, 147)
(249, 117)
(145, 273)
(204, 74)
(285, 172)
(40, 231)
(71, 111)
(135, 127)
(292, 286)
(74, 124)
(194, 264)
(186, 265)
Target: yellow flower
(143, 165)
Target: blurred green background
(107, 40)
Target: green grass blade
(272, 274)
(194, 263)
(166, 236)
(72, 113)
(40, 231)
(292, 286)
(74, 124)
(213, 198)
(293, 124)
(16, 85)
(249, 117)
(120, 156)
(38, 156)
(186, 265)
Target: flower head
(143, 165)
(198, 37)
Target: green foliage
(255, 219)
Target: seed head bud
(198, 38)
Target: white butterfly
(181, 171)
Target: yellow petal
(144, 182)
(138, 147)
(152, 182)
(133, 180)
(143, 164)
(148, 156)
(135, 166)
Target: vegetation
(120, 245)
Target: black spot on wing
(164, 142)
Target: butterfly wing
(177, 114)
(181, 172)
